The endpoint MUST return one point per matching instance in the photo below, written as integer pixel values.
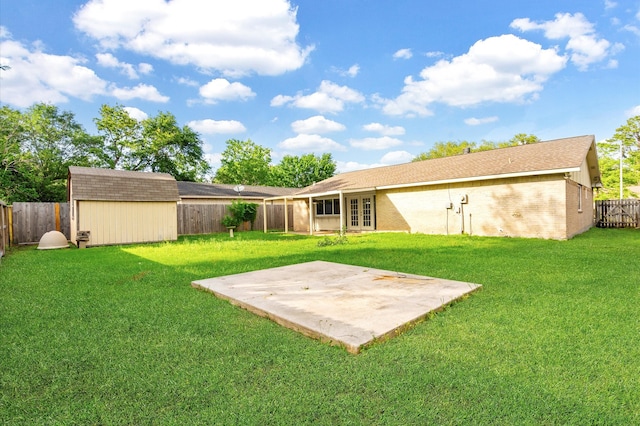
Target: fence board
(618, 213)
(207, 218)
(4, 228)
(32, 220)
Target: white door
(361, 213)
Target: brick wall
(580, 208)
(519, 207)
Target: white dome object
(53, 240)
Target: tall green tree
(155, 144)
(17, 172)
(626, 142)
(38, 145)
(54, 141)
(298, 172)
(244, 162)
(174, 150)
(121, 136)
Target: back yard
(117, 335)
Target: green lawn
(116, 335)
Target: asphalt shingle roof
(559, 154)
(121, 185)
(215, 190)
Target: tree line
(38, 145)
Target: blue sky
(372, 82)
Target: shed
(121, 206)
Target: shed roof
(555, 156)
(121, 185)
(215, 190)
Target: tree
(298, 172)
(37, 148)
(174, 150)
(244, 162)
(447, 149)
(16, 170)
(155, 144)
(121, 136)
(626, 142)
(54, 141)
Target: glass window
(328, 206)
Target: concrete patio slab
(345, 305)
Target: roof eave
(478, 178)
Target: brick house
(121, 206)
(542, 190)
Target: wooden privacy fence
(4, 228)
(618, 213)
(207, 218)
(32, 220)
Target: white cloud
(313, 143)
(473, 121)
(352, 166)
(136, 113)
(187, 82)
(351, 72)
(434, 54)
(609, 4)
(144, 68)
(632, 29)
(403, 54)
(141, 91)
(368, 144)
(503, 69)
(397, 157)
(36, 76)
(316, 125)
(109, 61)
(219, 89)
(235, 38)
(633, 111)
(584, 44)
(329, 97)
(384, 130)
(211, 127)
